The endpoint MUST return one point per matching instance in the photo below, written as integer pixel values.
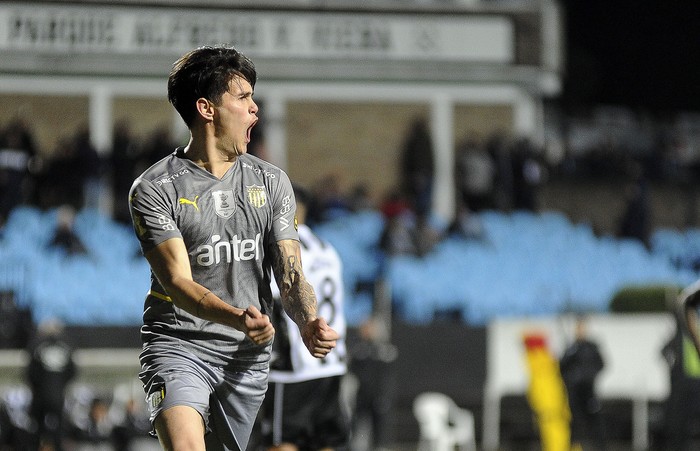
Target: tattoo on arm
(297, 294)
(292, 267)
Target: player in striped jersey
(303, 409)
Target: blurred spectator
(125, 154)
(16, 324)
(397, 235)
(466, 224)
(57, 185)
(580, 366)
(371, 361)
(405, 231)
(360, 198)
(88, 168)
(16, 429)
(665, 159)
(394, 204)
(16, 153)
(65, 237)
(158, 145)
(329, 201)
(635, 222)
(96, 434)
(417, 167)
(475, 174)
(134, 425)
(497, 147)
(72, 173)
(425, 235)
(50, 370)
(528, 174)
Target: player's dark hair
(205, 72)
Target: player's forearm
(170, 263)
(299, 302)
(298, 298)
(202, 303)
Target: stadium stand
(529, 264)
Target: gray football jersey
(228, 226)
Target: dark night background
(642, 54)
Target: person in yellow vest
(681, 412)
(687, 304)
(546, 394)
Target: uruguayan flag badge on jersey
(224, 203)
(256, 195)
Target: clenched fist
(319, 337)
(258, 326)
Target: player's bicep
(170, 262)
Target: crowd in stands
(62, 257)
(70, 174)
(48, 213)
(51, 411)
(94, 421)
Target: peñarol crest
(257, 195)
(224, 203)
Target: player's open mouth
(249, 131)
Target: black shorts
(308, 414)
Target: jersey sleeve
(284, 225)
(151, 215)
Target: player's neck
(210, 158)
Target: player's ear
(205, 108)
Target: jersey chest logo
(224, 203)
(257, 196)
